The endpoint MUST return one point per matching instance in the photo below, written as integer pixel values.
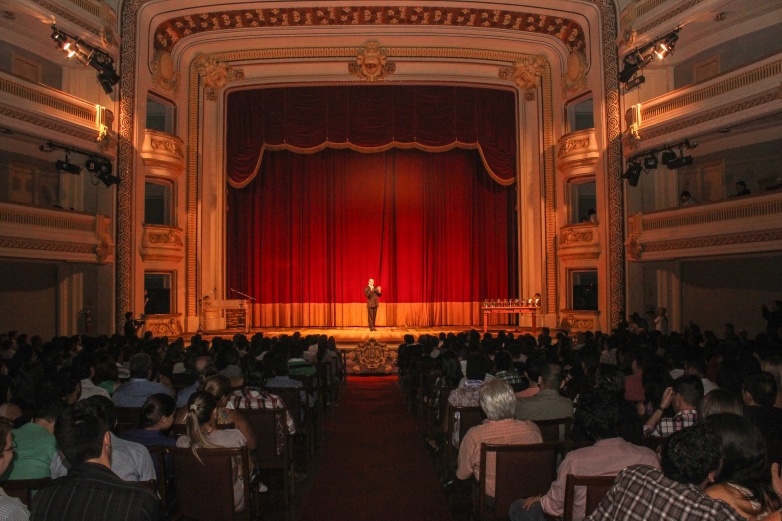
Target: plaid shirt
(467, 395)
(667, 426)
(641, 492)
(252, 398)
(511, 378)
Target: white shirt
(90, 389)
(12, 509)
(130, 461)
(661, 324)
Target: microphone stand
(201, 311)
(246, 311)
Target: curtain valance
(370, 118)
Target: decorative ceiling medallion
(163, 73)
(569, 32)
(371, 63)
(524, 74)
(214, 74)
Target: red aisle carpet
(374, 466)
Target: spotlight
(65, 167)
(666, 45)
(108, 179)
(650, 162)
(98, 165)
(680, 161)
(86, 55)
(633, 173)
(628, 71)
(635, 82)
(667, 156)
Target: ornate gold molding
(57, 126)
(667, 16)
(579, 320)
(525, 73)
(713, 240)
(215, 74)
(569, 236)
(371, 63)
(574, 79)
(164, 325)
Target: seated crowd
(62, 401)
(685, 420)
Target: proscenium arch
(600, 48)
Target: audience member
(741, 189)
(743, 480)
(719, 401)
(130, 461)
(202, 365)
(157, 416)
(759, 393)
(135, 391)
(773, 365)
(35, 443)
(598, 412)
(91, 491)
(498, 403)
(684, 396)
(11, 509)
(202, 433)
(690, 461)
(547, 404)
(503, 361)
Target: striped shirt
(92, 492)
(254, 398)
(12, 509)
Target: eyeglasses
(11, 448)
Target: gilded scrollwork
(167, 145)
(524, 74)
(164, 74)
(570, 236)
(371, 63)
(373, 357)
(215, 74)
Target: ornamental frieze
(569, 32)
(215, 74)
(524, 74)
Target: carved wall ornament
(574, 79)
(573, 145)
(373, 357)
(163, 325)
(169, 237)
(215, 74)
(570, 322)
(168, 145)
(371, 63)
(108, 37)
(163, 73)
(524, 74)
(105, 248)
(570, 236)
(634, 248)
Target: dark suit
(372, 304)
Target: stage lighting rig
(75, 48)
(639, 58)
(650, 162)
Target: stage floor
(350, 337)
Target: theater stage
(350, 337)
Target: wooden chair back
(127, 418)
(264, 423)
(23, 488)
(555, 430)
(302, 416)
(469, 417)
(205, 488)
(521, 471)
(311, 387)
(596, 489)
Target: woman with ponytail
(202, 433)
(219, 386)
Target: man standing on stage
(372, 293)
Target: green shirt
(35, 450)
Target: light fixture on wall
(650, 162)
(102, 168)
(635, 61)
(680, 161)
(66, 167)
(76, 49)
(633, 173)
(667, 156)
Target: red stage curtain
(434, 230)
(370, 119)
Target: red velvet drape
(434, 230)
(370, 119)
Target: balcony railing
(54, 234)
(743, 224)
(34, 97)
